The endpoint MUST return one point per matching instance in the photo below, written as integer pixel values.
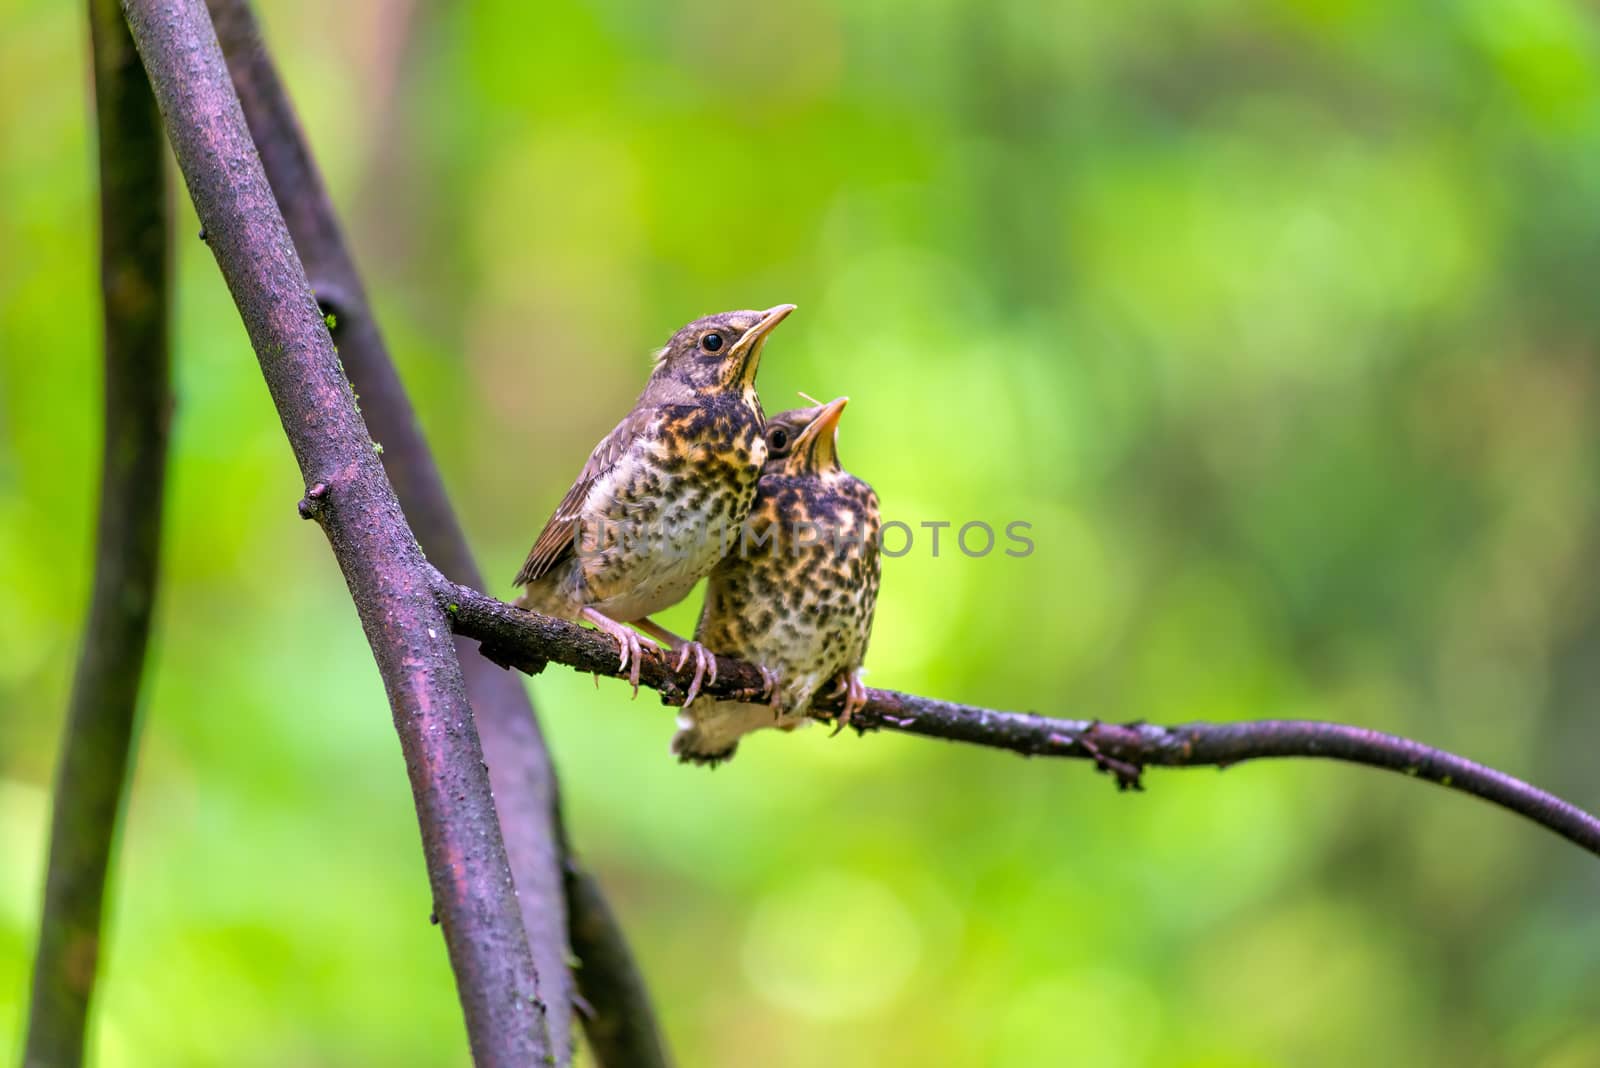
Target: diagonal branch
(519, 767)
(135, 253)
(389, 580)
(527, 641)
(520, 770)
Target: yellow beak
(819, 440)
(751, 341)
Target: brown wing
(555, 541)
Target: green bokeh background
(1276, 320)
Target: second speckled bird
(797, 595)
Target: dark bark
(98, 737)
(389, 580)
(520, 770)
(526, 641)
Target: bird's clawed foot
(705, 661)
(705, 667)
(848, 684)
(627, 644)
(772, 689)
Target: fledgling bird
(795, 596)
(663, 494)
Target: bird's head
(805, 440)
(719, 352)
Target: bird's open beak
(748, 348)
(819, 440)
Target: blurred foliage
(1276, 320)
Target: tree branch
(524, 640)
(520, 770)
(98, 736)
(389, 580)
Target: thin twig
(520, 770)
(98, 737)
(389, 580)
(524, 640)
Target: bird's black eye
(711, 342)
(777, 439)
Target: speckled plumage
(802, 611)
(665, 492)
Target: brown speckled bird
(797, 594)
(664, 494)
